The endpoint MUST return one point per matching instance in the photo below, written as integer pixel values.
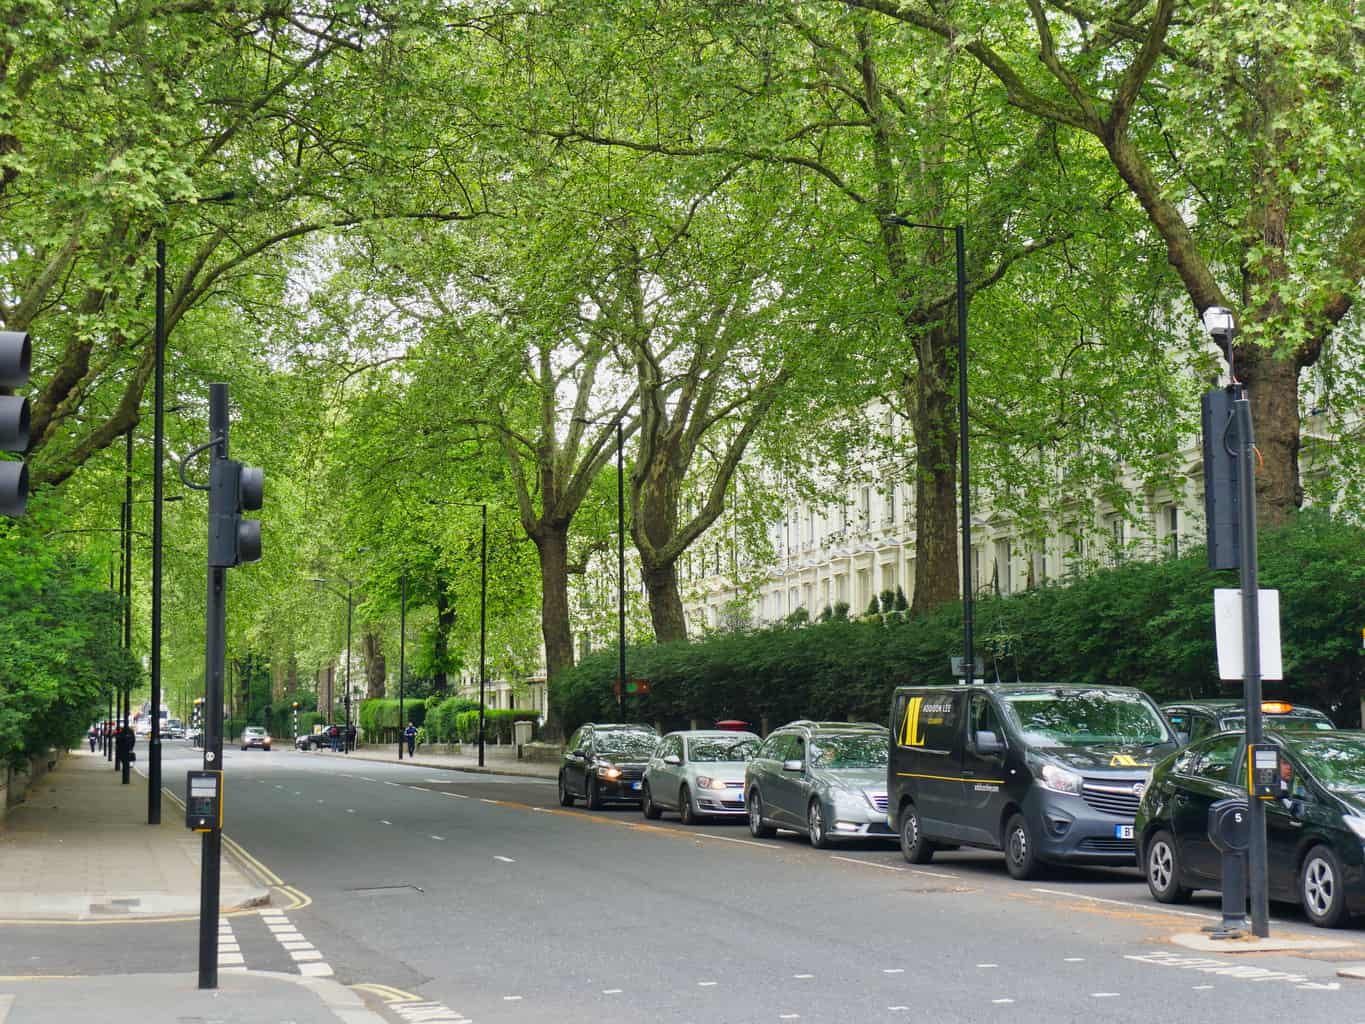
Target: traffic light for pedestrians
(233, 489)
(14, 369)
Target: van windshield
(1072, 718)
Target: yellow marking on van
(949, 778)
(1127, 761)
(910, 734)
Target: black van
(1045, 772)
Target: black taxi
(1045, 772)
(1194, 720)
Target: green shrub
(441, 722)
(1145, 624)
(497, 724)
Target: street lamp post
(158, 485)
(620, 563)
(402, 664)
(346, 701)
(127, 582)
(968, 603)
(483, 618)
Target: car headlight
(266, 738)
(1059, 780)
(608, 771)
(706, 782)
(1355, 824)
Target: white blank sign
(1227, 622)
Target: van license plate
(1123, 831)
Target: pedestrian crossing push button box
(1264, 770)
(204, 801)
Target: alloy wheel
(1319, 886)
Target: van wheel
(914, 847)
(1021, 852)
(1163, 870)
(757, 828)
(1321, 888)
(565, 797)
(647, 805)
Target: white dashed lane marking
(505, 860)
(441, 838)
(1001, 1002)
(705, 984)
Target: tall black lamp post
(960, 250)
(402, 654)
(347, 699)
(620, 563)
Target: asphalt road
(481, 895)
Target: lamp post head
(1219, 322)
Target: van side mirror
(989, 743)
(795, 765)
(672, 759)
(1183, 738)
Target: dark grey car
(824, 779)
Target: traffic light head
(232, 489)
(15, 356)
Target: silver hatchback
(698, 773)
(826, 779)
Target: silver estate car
(826, 779)
(698, 773)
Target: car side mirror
(578, 754)
(672, 759)
(794, 765)
(989, 743)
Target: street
(483, 897)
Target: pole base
(1230, 928)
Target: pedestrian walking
(124, 742)
(350, 738)
(410, 734)
(334, 734)
(93, 737)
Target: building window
(1173, 530)
(865, 508)
(889, 508)
(1116, 538)
(864, 589)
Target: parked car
(698, 773)
(174, 730)
(825, 779)
(605, 761)
(253, 736)
(1315, 828)
(1193, 720)
(1044, 772)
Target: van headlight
(1059, 780)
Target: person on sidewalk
(93, 737)
(410, 734)
(350, 738)
(124, 742)
(334, 734)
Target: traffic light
(234, 488)
(14, 369)
(1221, 479)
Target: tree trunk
(1273, 390)
(372, 643)
(665, 603)
(936, 440)
(552, 542)
(445, 622)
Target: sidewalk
(80, 849)
(242, 997)
(498, 760)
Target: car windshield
(722, 748)
(854, 750)
(1077, 718)
(1338, 762)
(254, 730)
(626, 744)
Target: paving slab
(242, 997)
(80, 849)
(1252, 944)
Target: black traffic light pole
(215, 645)
(128, 586)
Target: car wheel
(686, 813)
(757, 828)
(650, 809)
(815, 826)
(1021, 852)
(1163, 870)
(244, 748)
(1322, 889)
(266, 749)
(565, 797)
(914, 847)
(594, 796)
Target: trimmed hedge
(441, 719)
(497, 724)
(1146, 624)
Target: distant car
(174, 729)
(1315, 828)
(1194, 720)
(826, 779)
(605, 761)
(253, 736)
(698, 773)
